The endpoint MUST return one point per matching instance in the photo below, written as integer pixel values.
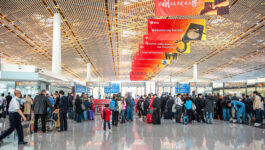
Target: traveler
(248, 104)
(240, 109)
(106, 117)
(115, 110)
(188, 107)
(209, 108)
(128, 104)
(257, 107)
(3, 106)
(179, 105)
(156, 107)
(146, 104)
(169, 105)
(27, 107)
(200, 103)
(225, 103)
(15, 115)
(78, 109)
(8, 100)
(130, 107)
(63, 106)
(140, 104)
(40, 105)
(56, 97)
(123, 109)
(163, 104)
(71, 113)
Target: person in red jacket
(106, 116)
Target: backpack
(103, 114)
(112, 105)
(132, 103)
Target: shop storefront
(97, 89)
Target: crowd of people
(56, 106)
(244, 109)
(182, 108)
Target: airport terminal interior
(132, 74)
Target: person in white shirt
(178, 105)
(15, 115)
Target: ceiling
(106, 34)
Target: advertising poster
(176, 29)
(168, 46)
(191, 7)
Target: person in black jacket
(40, 105)
(163, 99)
(63, 106)
(71, 107)
(200, 103)
(146, 104)
(156, 114)
(248, 107)
(170, 103)
(78, 108)
(8, 100)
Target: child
(106, 116)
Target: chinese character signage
(191, 7)
(235, 84)
(176, 29)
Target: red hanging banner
(176, 29)
(191, 7)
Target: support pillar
(88, 73)
(56, 45)
(195, 76)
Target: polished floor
(138, 135)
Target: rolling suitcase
(91, 115)
(185, 120)
(149, 118)
(85, 115)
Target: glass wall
(261, 90)
(237, 91)
(7, 86)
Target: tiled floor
(139, 136)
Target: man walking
(15, 115)
(40, 105)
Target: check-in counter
(99, 104)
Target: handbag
(83, 107)
(253, 119)
(55, 116)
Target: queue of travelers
(244, 109)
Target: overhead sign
(173, 46)
(235, 84)
(176, 29)
(114, 88)
(183, 88)
(133, 84)
(166, 84)
(81, 89)
(62, 84)
(201, 84)
(27, 83)
(191, 7)
(97, 84)
(261, 84)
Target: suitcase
(185, 120)
(166, 115)
(149, 118)
(91, 115)
(85, 115)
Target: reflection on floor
(139, 136)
